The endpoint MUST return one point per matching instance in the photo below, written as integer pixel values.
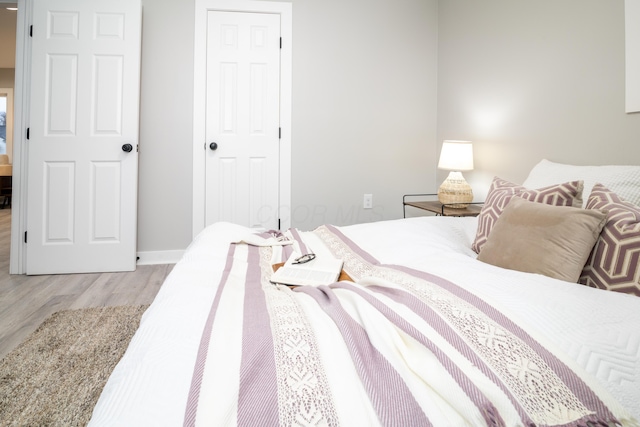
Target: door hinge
(278, 223)
(31, 31)
(28, 132)
(25, 237)
(280, 42)
(279, 133)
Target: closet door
(243, 118)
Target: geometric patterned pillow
(501, 192)
(614, 263)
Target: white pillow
(623, 180)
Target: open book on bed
(322, 269)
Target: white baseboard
(159, 257)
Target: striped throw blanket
(395, 347)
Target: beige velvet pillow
(539, 238)
(501, 192)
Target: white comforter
(599, 330)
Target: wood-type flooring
(26, 301)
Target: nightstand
(434, 206)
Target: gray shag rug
(54, 378)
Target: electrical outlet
(368, 201)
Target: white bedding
(598, 330)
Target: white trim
(17, 264)
(199, 100)
(159, 257)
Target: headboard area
(611, 258)
(623, 180)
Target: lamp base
(455, 191)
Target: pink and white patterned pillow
(501, 192)
(614, 263)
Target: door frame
(202, 8)
(21, 105)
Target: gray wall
(166, 126)
(364, 113)
(7, 37)
(377, 85)
(364, 107)
(527, 80)
(7, 77)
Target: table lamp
(456, 156)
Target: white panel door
(83, 136)
(242, 118)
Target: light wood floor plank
(26, 301)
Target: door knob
(213, 146)
(127, 148)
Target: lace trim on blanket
(304, 395)
(542, 394)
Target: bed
(422, 331)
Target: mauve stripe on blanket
(296, 236)
(201, 359)
(484, 405)
(389, 394)
(258, 398)
(444, 329)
